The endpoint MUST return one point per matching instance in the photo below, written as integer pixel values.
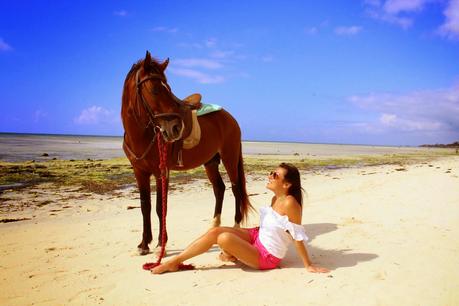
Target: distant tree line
(439, 145)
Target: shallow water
(24, 147)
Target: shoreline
(27, 147)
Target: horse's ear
(147, 61)
(164, 64)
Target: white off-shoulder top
(273, 232)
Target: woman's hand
(316, 269)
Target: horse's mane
(154, 66)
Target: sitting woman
(261, 247)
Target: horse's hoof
(143, 252)
(237, 225)
(215, 222)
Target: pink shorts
(266, 261)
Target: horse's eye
(155, 90)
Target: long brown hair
(292, 176)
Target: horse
(150, 112)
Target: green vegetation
(261, 164)
(102, 176)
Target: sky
(379, 72)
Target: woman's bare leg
(239, 248)
(205, 242)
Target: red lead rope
(162, 149)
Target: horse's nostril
(176, 129)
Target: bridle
(152, 116)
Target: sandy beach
(389, 234)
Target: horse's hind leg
(230, 161)
(218, 186)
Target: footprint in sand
(381, 275)
(350, 221)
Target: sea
(40, 147)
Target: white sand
(390, 238)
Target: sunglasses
(274, 175)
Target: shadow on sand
(330, 259)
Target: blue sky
(360, 72)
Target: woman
(264, 247)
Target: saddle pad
(208, 108)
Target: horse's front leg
(143, 183)
(159, 209)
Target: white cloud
(352, 30)
(198, 62)
(38, 115)
(214, 57)
(372, 2)
(121, 13)
(419, 111)
(221, 54)
(401, 21)
(4, 46)
(397, 6)
(311, 31)
(267, 58)
(193, 45)
(403, 12)
(388, 119)
(211, 42)
(450, 28)
(165, 29)
(397, 12)
(198, 76)
(95, 115)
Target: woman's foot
(169, 266)
(226, 257)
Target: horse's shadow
(331, 259)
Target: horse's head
(164, 110)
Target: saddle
(192, 132)
(193, 101)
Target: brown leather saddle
(193, 101)
(191, 133)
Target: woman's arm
(293, 210)
(303, 253)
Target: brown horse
(149, 107)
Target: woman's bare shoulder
(293, 209)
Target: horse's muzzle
(172, 130)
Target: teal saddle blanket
(207, 109)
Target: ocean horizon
(244, 140)
(19, 147)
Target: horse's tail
(246, 207)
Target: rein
(132, 154)
(162, 149)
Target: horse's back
(219, 131)
(220, 122)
